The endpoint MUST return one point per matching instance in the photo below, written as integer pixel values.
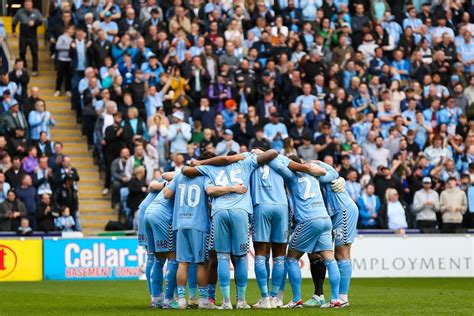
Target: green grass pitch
(454, 296)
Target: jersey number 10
(193, 192)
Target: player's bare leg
(202, 280)
(181, 280)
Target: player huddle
(199, 219)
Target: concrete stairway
(95, 209)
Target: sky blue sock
(283, 280)
(261, 275)
(223, 273)
(278, 274)
(211, 291)
(345, 269)
(181, 291)
(294, 274)
(171, 278)
(334, 277)
(267, 267)
(192, 279)
(241, 276)
(156, 277)
(150, 261)
(203, 293)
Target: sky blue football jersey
(268, 186)
(236, 173)
(162, 207)
(190, 203)
(305, 192)
(335, 202)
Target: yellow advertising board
(21, 259)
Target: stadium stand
(381, 90)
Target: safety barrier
(120, 258)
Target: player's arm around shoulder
(215, 191)
(218, 161)
(266, 156)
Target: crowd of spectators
(382, 90)
(38, 185)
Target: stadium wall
(115, 258)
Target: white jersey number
(222, 180)
(265, 170)
(193, 192)
(307, 191)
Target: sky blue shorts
(270, 223)
(230, 229)
(160, 234)
(191, 245)
(142, 240)
(344, 225)
(312, 236)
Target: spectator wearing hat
(108, 26)
(11, 86)
(425, 206)
(152, 70)
(179, 134)
(227, 144)
(275, 131)
(14, 118)
(230, 113)
(453, 205)
(150, 15)
(7, 101)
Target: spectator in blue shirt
(275, 131)
(369, 205)
(401, 65)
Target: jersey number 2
(307, 191)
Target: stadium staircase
(95, 210)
